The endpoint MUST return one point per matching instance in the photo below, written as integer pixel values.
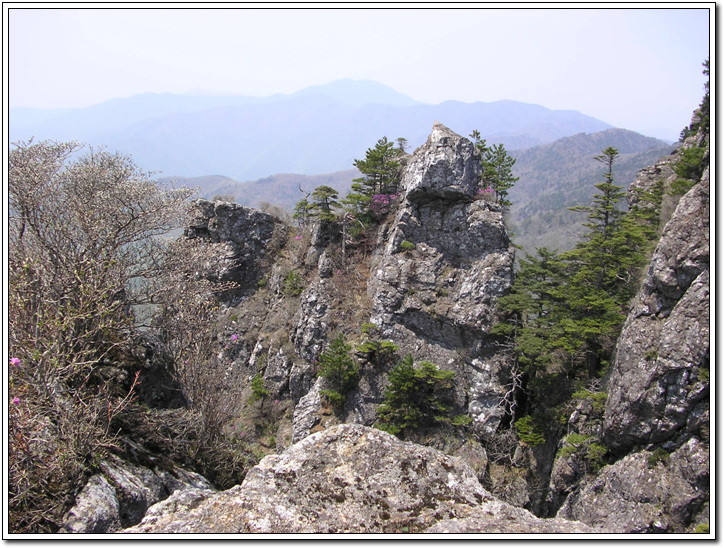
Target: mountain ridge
(317, 130)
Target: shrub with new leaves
(415, 397)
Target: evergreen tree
(302, 212)
(535, 307)
(339, 369)
(564, 312)
(497, 169)
(380, 176)
(415, 397)
(324, 198)
(379, 169)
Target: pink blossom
(298, 237)
(15, 361)
(16, 401)
(235, 337)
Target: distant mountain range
(321, 129)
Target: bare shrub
(82, 234)
(187, 320)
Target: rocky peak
(445, 259)
(446, 167)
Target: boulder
(96, 509)
(349, 479)
(446, 168)
(120, 495)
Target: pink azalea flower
(235, 337)
(16, 401)
(15, 361)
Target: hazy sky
(634, 68)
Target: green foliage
(303, 212)
(595, 456)
(340, 371)
(497, 169)
(690, 164)
(324, 200)
(406, 246)
(373, 350)
(585, 446)
(372, 194)
(293, 284)
(577, 439)
(462, 420)
(598, 399)
(415, 397)
(659, 455)
(379, 169)
(258, 391)
(529, 430)
(703, 111)
(690, 167)
(703, 374)
(702, 529)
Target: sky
(635, 68)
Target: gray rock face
(306, 412)
(658, 384)
(645, 494)
(438, 300)
(310, 326)
(570, 465)
(500, 518)
(120, 496)
(348, 479)
(248, 231)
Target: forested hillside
(560, 175)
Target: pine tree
(497, 169)
(379, 169)
(324, 198)
(302, 212)
(415, 397)
(340, 371)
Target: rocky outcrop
(120, 495)
(646, 492)
(446, 258)
(658, 386)
(349, 479)
(249, 232)
(157, 386)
